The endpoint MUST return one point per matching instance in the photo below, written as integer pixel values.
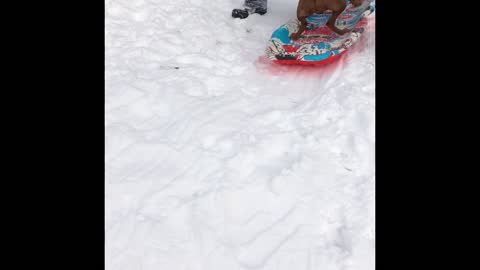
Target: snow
(217, 159)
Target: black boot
(251, 7)
(240, 13)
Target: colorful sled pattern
(318, 45)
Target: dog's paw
(294, 36)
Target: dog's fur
(309, 7)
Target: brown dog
(309, 7)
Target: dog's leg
(303, 26)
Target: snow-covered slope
(217, 159)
